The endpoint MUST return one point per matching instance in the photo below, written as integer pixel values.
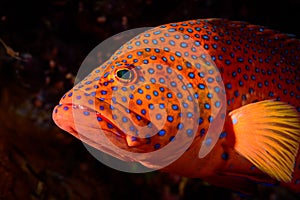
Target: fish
(213, 99)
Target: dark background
(38, 160)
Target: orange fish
(210, 99)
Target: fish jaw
(90, 124)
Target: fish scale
(168, 84)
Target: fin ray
(268, 135)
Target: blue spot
(190, 115)
(241, 83)
(152, 58)
(222, 135)
(217, 104)
(210, 80)
(183, 44)
(240, 59)
(224, 156)
(188, 64)
(174, 107)
(170, 118)
(180, 126)
(185, 105)
(201, 86)
(99, 119)
(154, 41)
(138, 117)
(172, 138)
(179, 67)
(162, 132)
(155, 93)
(66, 108)
(161, 106)
(209, 95)
(236, 93)
(109, 125)
(179, 77)
(189, 132)
(205, 37)
(158, 116)
(157, 146)
(151, 106)
(159, 67)
(173, 84)
(143, 111)
(148, 97)
(234, 121)
(169, 95)
(228, 86)
(234, 74)
(151, 71)
(161, 80)
(178, 54)
(171, 42)
(201, 74)
(208, 141)
(139, 102)
(197, 43)
(207, 106)
(191, 75)
(124, 119)
(140, 91)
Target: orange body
(165, 71)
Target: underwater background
(40, 161)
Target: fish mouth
(79, 108)
(91, 131)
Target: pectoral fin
(268, 134)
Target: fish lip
(120, 133)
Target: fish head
(139, 101)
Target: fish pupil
(124, 74)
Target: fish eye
(125, 75)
